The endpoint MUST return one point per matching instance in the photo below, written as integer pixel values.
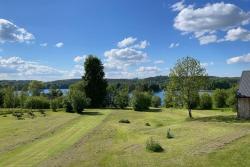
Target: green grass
(213, 138)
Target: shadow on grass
(90, 113)
(220, 118)
(150, 110)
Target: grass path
(33, 153)
(209, 140)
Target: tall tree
(94, 79)
(35, 87)
(187, 78)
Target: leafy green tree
(22, 98)
(206, 101)
(232, 98)
(121, 99)
(187, 78)
(9, 97)
(35, 88)
(67, 105)
(78, 97)
(156, 101)
(110, 96)
(54, 104)
(141, 101)
(54, 92)
(96, 85)
(219, 98)
(1, 97)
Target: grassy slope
(210, 140)
(32, 152)
(214, 138)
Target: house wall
(244, 107)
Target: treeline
(154, 84)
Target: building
(243, 96)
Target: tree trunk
(190, 113)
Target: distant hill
(158, 82)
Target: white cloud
(238, 34)
(158, 62)
(130, 53)
(239, 59)
(59, 44)
(206, 39)
(178, 6)
(149, 69)
(17, 68)
(206, 21)
(80, 59)
(124, 57)
(173, 45)
(141, 45)
(10, 32)
(207, 64)
(44, 44)
(126, 42)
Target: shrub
(154, 146)
(232, 98)
(141, 101)
(54, 104)
(156, 101)
(219, 98)
(170, 135)
(67, 105)
(77, 97)
(206, 101)
(37, 102)
(124, 121)
(18, 115)
(31, 114)
(121, 99)
(147, 124)
(43, 113)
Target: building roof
(244, 89)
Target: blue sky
(49, 39)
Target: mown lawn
(213, 138)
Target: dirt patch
(221, 142)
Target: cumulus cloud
(149, 69)
(17, 68)
(178, 6)
(206, 39)
(207, 64)
(129, 53)
(44, 44)
(205, 22)
(126, 42)
(158, 62)
(10, 32)
(124, 57)
(238, 34)
(173, 45)
(239, 59)
(79, 59)
(59, 44)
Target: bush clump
(154, 146)
(206, 101)
(147, 124)
(156, 101)
(37, 102)
(170, 135)
(124, 121)
(141, 101)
